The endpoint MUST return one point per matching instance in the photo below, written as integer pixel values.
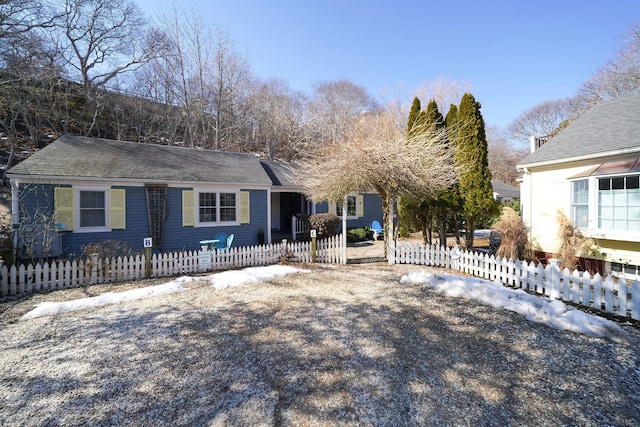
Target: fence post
(147, 270)
(94, 269)
(392, 252)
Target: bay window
(619, 203)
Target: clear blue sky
(515, 53)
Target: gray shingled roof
(504, 189)
(612, 126)
(93, 158)
(281, 173)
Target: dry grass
(515, 239)
(573, 243)
(339, 345)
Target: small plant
(514, 239)
(358, 234)
(325, 224)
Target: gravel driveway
(339, 345)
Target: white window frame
(217, 222)
(77, 227)
(572, 204)
(593, 230)
(597, 190)
(355, 207)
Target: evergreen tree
(472, 160)
(413, 113)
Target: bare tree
(377, 154)
(619, 77)
(543, 119)
(335, 106)
(203, 75)
(104, 39)
(444, 91)
(278, 126)
(504, 156)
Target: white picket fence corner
(612, 295)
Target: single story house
(81, 190)
(590, 172)
(503, 192)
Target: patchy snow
(48, 308)
(553, 313)
(251, 274)
(218, 280)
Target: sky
(514, 53)
(553, 313)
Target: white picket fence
(607, 294)
(49, 276)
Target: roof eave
(594, 156)
(41, 178)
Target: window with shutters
(92, 213)
(216, 208)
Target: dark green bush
(358, 235)
(325, 224)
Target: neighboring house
(81, 190)
(590, 171)
(503, 192)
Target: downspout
(344, 231)
(15, 214)
(269, 215)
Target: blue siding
(137, 226)
(176, 237)
(372, 212)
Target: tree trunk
(470, 233)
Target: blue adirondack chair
(227, 245)
(377, 230)
(221, 240)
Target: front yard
(337, 345)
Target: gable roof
(94, 158)
(610, 128)
(504, 189)
(282, 174)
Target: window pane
(227, 206)
(580, 216)
(580, 203)
(617, 183)
(92, 211)
(351, 206)
(604, 184)
(92, 199)
(207, 207)
(92, 218)
(633, 182)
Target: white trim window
(351, 207)
(92, 209)
(619, 203)
(217, 207)
(580, 203)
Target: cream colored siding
(550, 192)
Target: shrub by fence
(607, 294)
(49, 276)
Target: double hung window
(217, 207)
